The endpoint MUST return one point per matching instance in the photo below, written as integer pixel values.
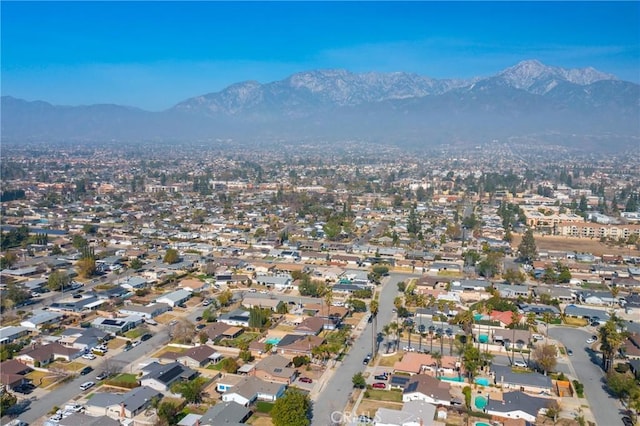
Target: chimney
(122, 413)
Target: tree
(545, 357)
(225, 297)
(171, 256)
(183, 331)
(374, 308)
(58, 280)
(8, 260)
(471, 360)
(292, 409)
(7, 400)
(229, 365)
(358, 380)
(56, 250)
(136, 264)
(402, 286)
(527, 247)
(610, 341)
(79, 242)
(208, 315)
(513, 276)
(300, 360)
(167, 412)
(86, 267)
(192, 391)
(490, 265)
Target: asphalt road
(587, 366)
(71, 390)
(335, 393)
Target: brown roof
(46, 352)
(216, 330)
(311, 324)
(13, 366)
(412, 362)
(199, 353)
(429, 385)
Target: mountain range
(529, 100)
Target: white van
(86, 385)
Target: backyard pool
(481, 402)
(481, 424)
(273, 340)
(451, 379)
(482, 381)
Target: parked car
(592, 339)
(520, 364)
(86, 385)
(146, 337)
(102, 376)
(306, 380)
(198, 318)
(366, 359)
(381, 377)
(379, 385)
(569, 352)
(89, 356)
(200, 326)
(76, 408)
(626, 420)
(86, 371)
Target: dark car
(306, 380)
(146, 337)
(198, 318)
(569, 352)
(366, 359)
(86, 371)
(200, 326)
(626, 420)
(381, 377)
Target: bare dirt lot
(580, 245)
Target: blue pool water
(480, 402)
(451, 379)
(482, 381)
(272, 341)
(481, 424)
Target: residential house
(505, 318)
(86, 303)
(219, 330)
(427, 388)
(278, 282)
(228, 381)
(225, 413)
(41, 319)
(532, 382)
(193, 285)
(236, 317)
(512, 291)
(587, 313)
(275, 368)
(260, 302)
(127, 405)
(563, 294)
(147, 312)
(601, 298)
(253, 388)
(518, 405)
(631, 346)
(538, 309)
(11, 333)
(197, 357)
(132, 283)
(117, 325)
(162, 376)
(42, 355)
(298, 344)
(13, 373)
(311, 326)
(174, 298)
(82, 338)
(81, 419)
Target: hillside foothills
(593, 109)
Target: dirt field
(580, 245)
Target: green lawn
(126, 378)
(134, 334)
(384, 395)
(264, 406)
(217, 366)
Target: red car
(306, 380)
(379, 385)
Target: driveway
(587, 366)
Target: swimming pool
(273, 340)
(481, 424)
(451, 379)
(480, 402)
(482, 381)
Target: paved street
(605, 408)
(336, 392)
(71, 390)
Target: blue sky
(153, 55)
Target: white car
(86, 385)
(591, 339)
(521, 364)
(89, 356)
(537, 336)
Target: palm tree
(437, 357)
(328, 299)
(395, 330)
(547, 317)
(531, 319)
(610, 341)
(386, 331)
(409, 327)
(431, 331)
(421, 331)
(374, 307)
